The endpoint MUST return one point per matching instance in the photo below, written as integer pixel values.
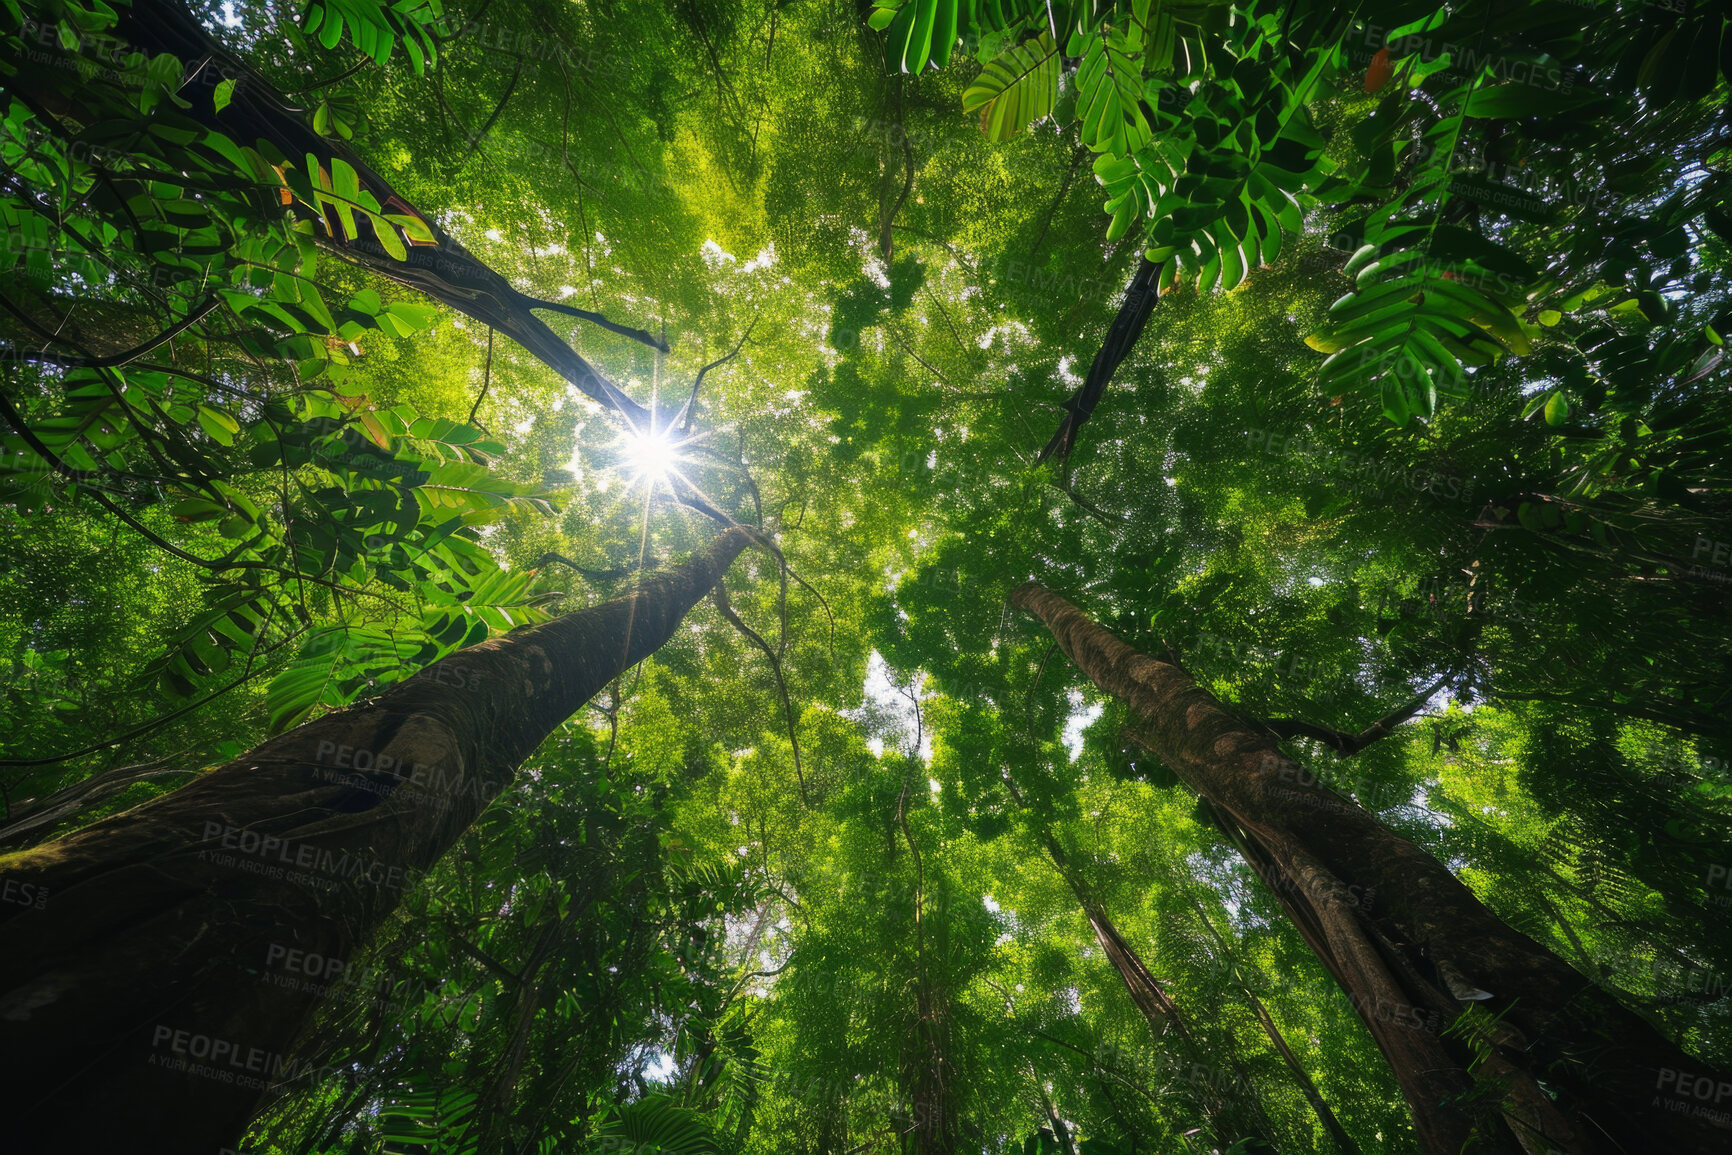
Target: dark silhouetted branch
(1345, 744)
(1139, 302)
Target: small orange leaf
(1378, 74)
(375, 431)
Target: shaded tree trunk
(926, 1065)
(1140, 298)
(181, 945)
(926, 1072)
(256, 112)
(1559, 1064)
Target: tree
(1418, 946)
(709, 914)
(324, 827)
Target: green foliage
(1511, 469)
(1207, 151)
(657, 1125)
(377, 26)
(1018, 86)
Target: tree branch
(199, 313)
(685, 414)
(733, 619)
(1139, 301)
(1346, 745)
(637, 335)
(486, 379)
(600, 575)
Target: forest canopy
(917, 577)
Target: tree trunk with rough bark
(256, 112)
(180, 946)
(1559, 1064)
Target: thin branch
(22, 428)
(448, 37)
(481, 133)
(84, 794)
(687, 411)
(885, 244)
(733, 619)
(486, 379)
(1346, 745)
(1063, 191)
(909, 349)
(145, 727)
(480, 955)
(600, 575)
(637, 335)
(1069, 488)
(337, 79)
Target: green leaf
(1515, 101)
(1557, 409)
(1015, 89)
(220, 425)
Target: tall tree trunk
(444, 270)
(926, 1065)
(1411, 945)
(164, 974)
(927, 1073)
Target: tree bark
(1412, 946)
(444, 270)
(177, 949)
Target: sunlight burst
(650, 455)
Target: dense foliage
(1429, 410)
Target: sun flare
(650, 456)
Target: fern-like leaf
(1018, 87)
